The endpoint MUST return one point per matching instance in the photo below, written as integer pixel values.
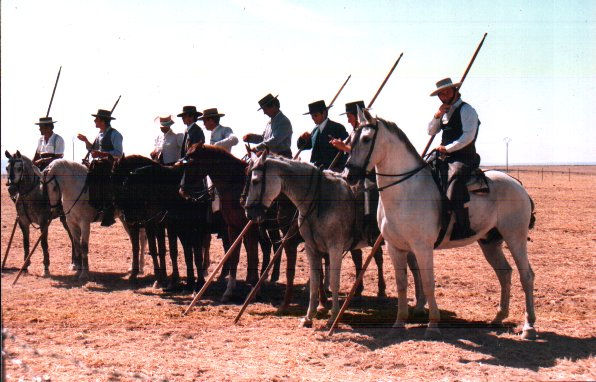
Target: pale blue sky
(534, 79)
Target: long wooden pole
(26, 260)
(330, 104)
(255, 289)
(463, 78)
(221, 263)
(356, 283)
(372, 101)
(53, 92)
(14, 227)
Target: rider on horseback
(459, 123)
(50, 145)
(107, 143)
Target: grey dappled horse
(410, 213)
(327, 217)
(26, 189)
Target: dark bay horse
(146, 193)
(228, 174)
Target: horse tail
(532, 214)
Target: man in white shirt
(459, 124)
(50, 145)
(167, 145)
(220, 135)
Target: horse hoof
(499, 318)
(433, 333)
(84, 277)
(305, 323)
(381, 294)
(529, 333)
(73, 267)
(46, 273)
(225, 298)
(418, 312)
(399, 325)
(283, 309)
(156, 284)
(322, 309)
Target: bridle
(11, 182)
(364, 173)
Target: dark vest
(452, 131)
(105, 144)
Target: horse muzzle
(355, 174)
(256, 212)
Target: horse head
(263, 187)
(359, 163)
(19, 168)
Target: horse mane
(394, 129)
(217, 154)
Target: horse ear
(17, 154)
(7, 154)
(362, 120)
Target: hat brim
(167, 123)
(366, 108)
(268, 102)
(103, 117)
(198, 114)
(438, 90)
(211, 116)
(45, 123)
(317, 111)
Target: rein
(20, 194)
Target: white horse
(328, 218)
(410, 213)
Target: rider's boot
(461, 228)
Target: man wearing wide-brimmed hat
(193, 134)
(220, 135)
(323, 153)
(108, 141)
(50, 145)
(459, 124)
(277, 136)
(168, 144)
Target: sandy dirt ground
(57, 329)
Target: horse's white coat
(409, 219)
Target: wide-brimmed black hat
(265, 101)
(45, 121)
(317, 107)
(103, 114)
(190, 110)
(210, 113)
(352, 107)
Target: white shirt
(321, 127)
(469, 123)
(169, 145)
(224, 137)
(54, 145)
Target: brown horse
(228, 174)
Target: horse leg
(291, 249)
(314, 261)
(141, 251)
(518, 248)
(398, 258)
(85, 231)
(381, 287)
(44, 248)
(275, 238)
(233, 232)
(25, 231)
(335, 257)
(173, 245)
(357, 259)
(493, 252)
(326, 270)
(190, 275)
(151, 241)
(73, 253)
(133, 234)
(252, 256)
(206, 257)
(265, 247)
(322, 308)
(233, 264)
(197, 247)
(424, 257)
(160, 234)
(420, 299)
